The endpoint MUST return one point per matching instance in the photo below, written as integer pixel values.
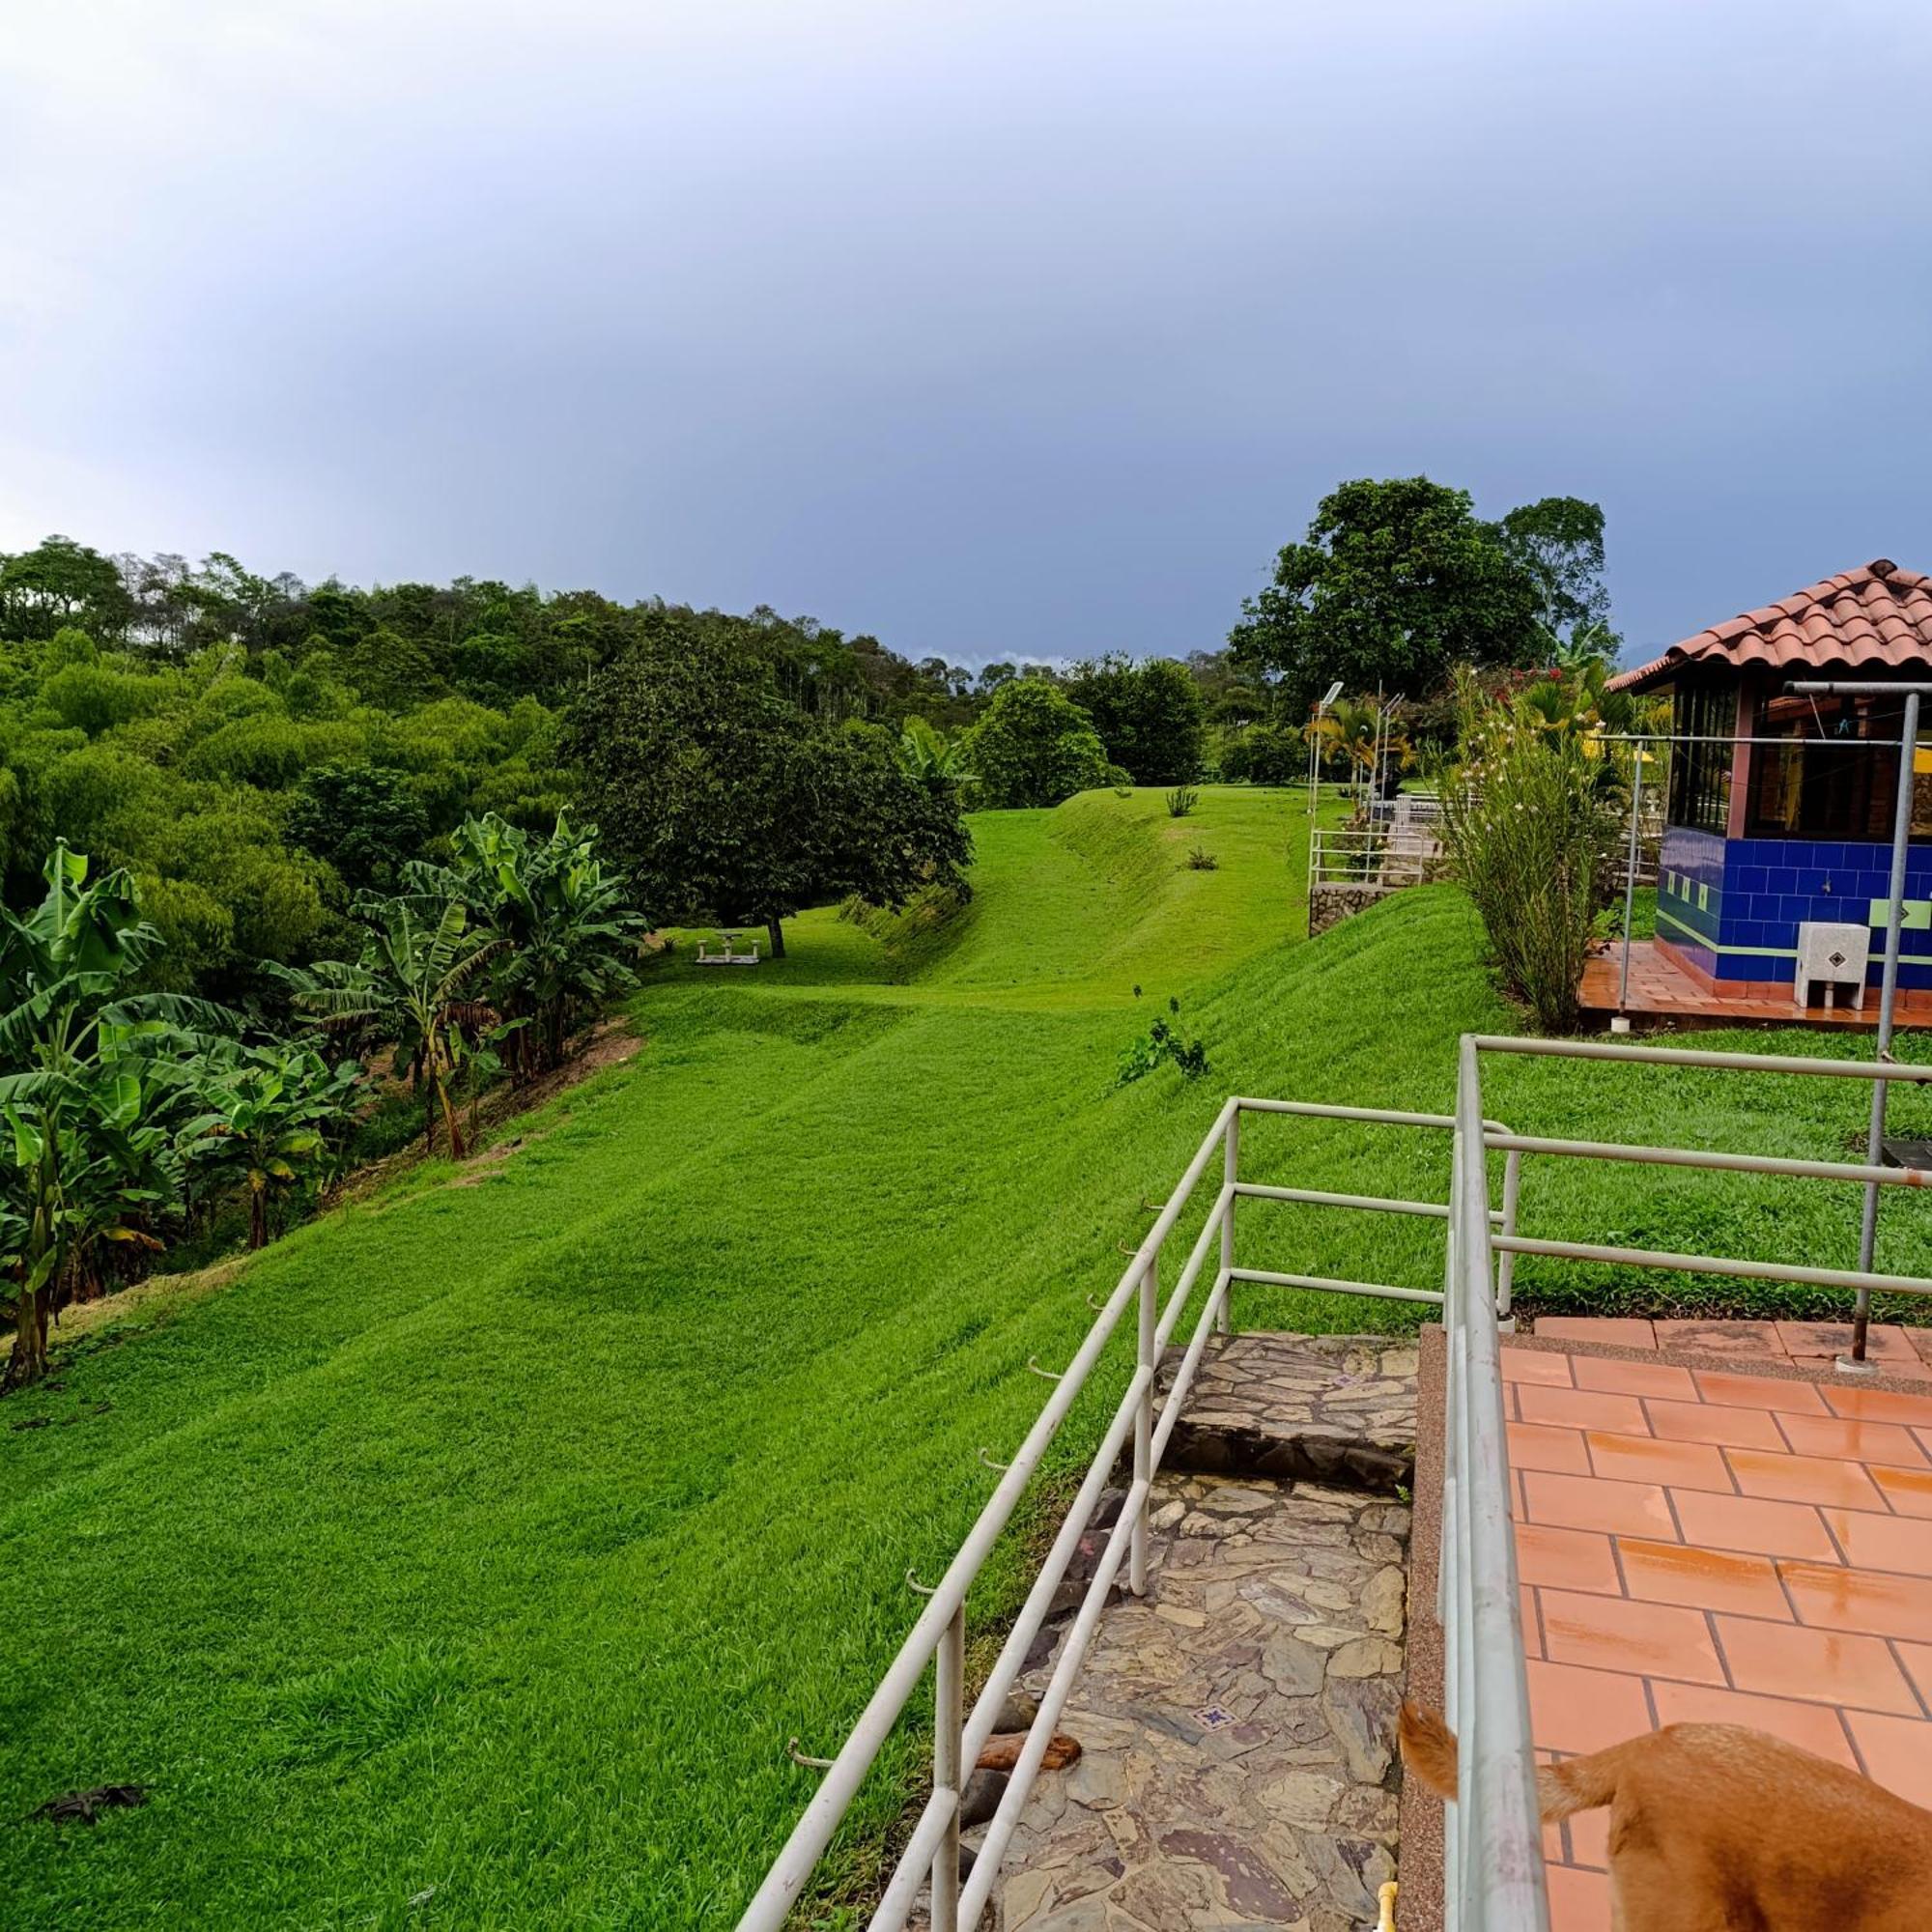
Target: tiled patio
(1700, 1541)
(1892, 1349)
(1661, 991)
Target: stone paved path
(1238, 1722)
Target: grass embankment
(470, 1559)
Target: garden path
(1237, 1724)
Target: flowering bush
(1531, 820)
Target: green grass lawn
(468, 1561)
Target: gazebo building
(1780, 807)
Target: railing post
(1230, 1163)
(949, 1773)
(1506, 1260)
(1144, 1424)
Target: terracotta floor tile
(1918, 1660)
(1830, 1596)
(1710, 1422)
(1616, 1331)
(1741, 1391)
(1884, 1342)
(1908, 1491)
(1803, 1479)
(1897, 1753)
(1572, 1710)
(1718, 1338)
(1812, 1727)
(1534, 1445)
(1744, 1522)
(1579, 1409)
(1532, 1631)
(1853, 1440)
(1921, 1339)
(1592, 1372)
(1588, 1502)
(1615, 1633)
(1819, 1666)
(1872, 1542)
(1535, 1365)
(1642, 1458)
(1579, 1901)
(1879, 1405)
(1706, 1579)
(1566, 1559)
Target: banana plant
(87, 1163)
(564, 936)
(273, 1116)
(418, 959)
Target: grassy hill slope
(469, 1560)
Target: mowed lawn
(469, 1560)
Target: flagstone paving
(1237, 1724)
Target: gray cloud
(993, 329)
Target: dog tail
(1429, 1749)
(1578, 1784)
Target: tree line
(327, 827)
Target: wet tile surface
(1750, 1550)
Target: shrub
(1264, 755)
(1181, 800)
(1530, 821)
(1162, 1041)
(1199, 861)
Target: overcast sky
(993, 328)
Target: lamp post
(1894, 924)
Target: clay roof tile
(1877, 615)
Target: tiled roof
(1879, 617)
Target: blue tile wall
(1756, 892)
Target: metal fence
(1494, 1875)
(937, 1639)
(1348, 856)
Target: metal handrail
(1352, 856)
(1493, 1846)
(937, 1637)
(1494, 1878)
(1861, 1281)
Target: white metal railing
(1493, 1842)
(938, 1636)
(1493, 1859)
(1406, 808)
(1353, 856)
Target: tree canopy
(1399, 582)
(724, 801)
(1034, 746)
(1150, 715)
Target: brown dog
(1717, 1828)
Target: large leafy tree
(365, 820)
(1394, 583)
(1559, 540)
(89, 1161)
(1034, 746)
(1149, 716)
(723, 800)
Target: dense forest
(255, 750)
